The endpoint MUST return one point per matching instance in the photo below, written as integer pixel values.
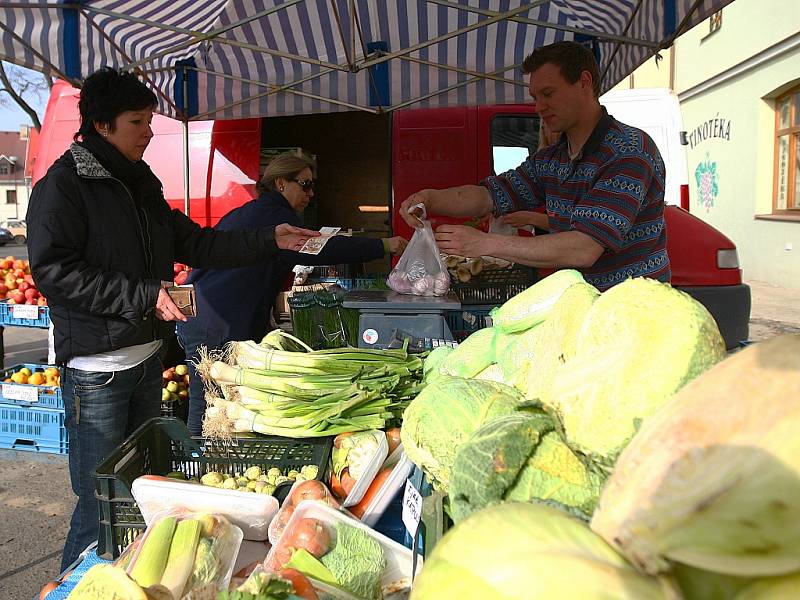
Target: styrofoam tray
(373, 466)
(401, 468)
(250, 512)
(398, 557)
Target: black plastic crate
(494, 286)
(175, 409)
(468, 320)
(161, 446)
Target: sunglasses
(306, 184)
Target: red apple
(23, 286)
(18, 273)
(18, 297)
(3, 289)
(31, 293)
(29, 278)
(41, 301)
(177, 268)
(181, 277)
(31, 301)
(19, 264)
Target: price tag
(25, 393)
(24, 311)
(412, 508)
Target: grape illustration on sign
(707, 182)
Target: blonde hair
(287, 166)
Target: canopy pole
(185, 143)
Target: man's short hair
(570, 57)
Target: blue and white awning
(246, 58)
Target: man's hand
(462, 241)
(396, 245)
(289, 237)
(420, 197)
(521, 218)
(166, 309)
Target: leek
(181, 556)
(152, 558)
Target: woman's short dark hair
(570, 57)
(106, 93)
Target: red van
(367, 164)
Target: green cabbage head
(522, 458)
(640, 342)
(556, 340)
(519, 551)
(713, 479)
(531, 307)
(445, 414)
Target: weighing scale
(386, 317)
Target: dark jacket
(236, 304)
(99, 254)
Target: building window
(787, 152)
(715, 22)
(11, 196)
(4, 168)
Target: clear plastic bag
(420, 271)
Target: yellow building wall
(731, 126)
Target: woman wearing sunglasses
(236, 304)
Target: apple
(181, 370)
(23, 286)
(19, 264)
(31, 301)
(18, 297)
(3, 289)
(29, 278)
(41, 301)
(31, 293)
(18, 273)
(172, 386)
(183, 394)
(11, 284)
(178, 267)
(181, 277)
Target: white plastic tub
(397, 572)
(401, 467)
(250, 512)
(373, 466)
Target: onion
(398, 281)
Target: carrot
(359, 509)
(302, 586)
(393, 437)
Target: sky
(11, 116)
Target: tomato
(393, 437)
(337, 441)
(49, 587)
(348, 483)
(342, 486)
(311, 535)
(302, 586)
(359, 509)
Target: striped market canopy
(222, 59)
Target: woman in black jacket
(101, 242)
(236, 304)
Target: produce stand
(21, 315)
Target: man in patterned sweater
(602, 185)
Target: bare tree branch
(20, 86)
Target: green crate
(163, 445)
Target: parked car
(18, 229)
(6, 236)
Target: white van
(657, 112)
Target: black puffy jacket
(99, 256)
